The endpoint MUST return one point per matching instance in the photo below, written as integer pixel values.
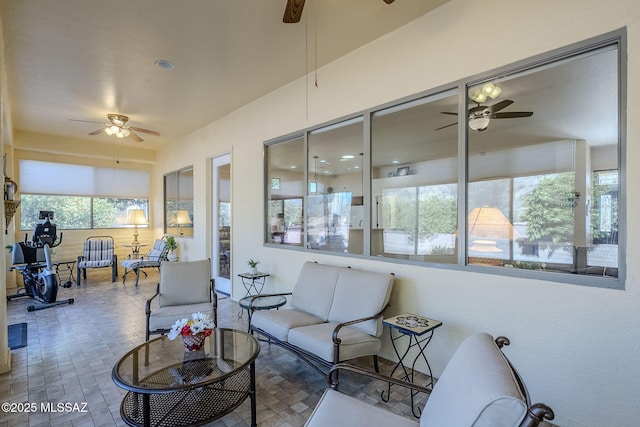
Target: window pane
(76, 212)
(536, 200)
(111, 213)
(414, 150)
(70, 212)
(178, 202)
(285, 192)
(335, 188)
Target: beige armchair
(184, 288)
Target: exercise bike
(33, 260)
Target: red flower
(186, 330)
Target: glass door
(221, 175)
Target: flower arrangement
(199, 324)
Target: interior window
(285, 193)
(334, 202)
(414, 156)
(178, 202)
(536, 198)
(516, 172)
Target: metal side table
(253, 281)
(419, 331)
(256, 303)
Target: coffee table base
(191, 407)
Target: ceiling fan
(117, 127)
(293, 10)
(480, 116)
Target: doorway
(221, 197)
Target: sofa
(478, 387)
(335, 314)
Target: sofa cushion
(477, 388)
(337, 409)
(278, 322)
(361, 294)
(318, 340)
(314, 289)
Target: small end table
(252, 281)
(256, 303)
(69, 267)
(135, 249)
(419, 331)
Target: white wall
(577, 347)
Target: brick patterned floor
(72, 349)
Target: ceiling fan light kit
(484, 92)
(479, 123)
(117, 127)
(479, 117)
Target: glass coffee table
(257, 302)
(168, 386)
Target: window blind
(38, 177)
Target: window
(178, 202)
(535, 200)
(82, 197)
(512, 172)
(414, 180)
(286, 166)
(334, 200)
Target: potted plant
(253, 266)
(172, 245)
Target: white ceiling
(83, 59)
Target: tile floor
(72, 349)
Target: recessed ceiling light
(293, 166)
(395, 161)
(164, 64)
(348, 156)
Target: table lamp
(136, 217)
(486, 224)
(182, 218)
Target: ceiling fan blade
(389, 1)
(511, 115)
(443, 127)
(499, 106)
(150, 132)
(88, 121)
(293, 11)
(97, 132)
(135, 137)
(451, 114)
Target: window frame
(182, 203)
(616, 38)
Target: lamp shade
(136, 217)
(488, 222)
(182, 217)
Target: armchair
(156, 255)
(184, 288)
(98, 253)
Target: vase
(253, 270)
(193, 342)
